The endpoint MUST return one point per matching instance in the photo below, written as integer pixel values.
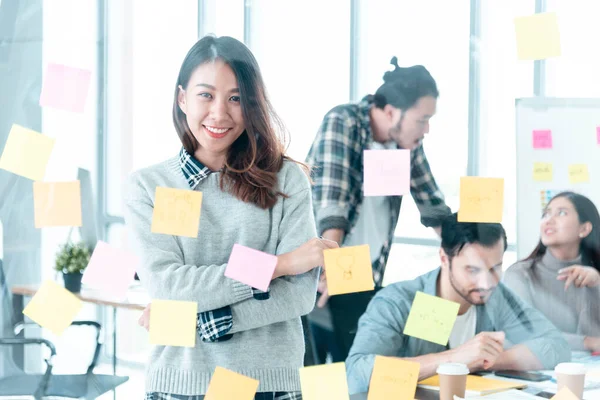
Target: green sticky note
(431, 318)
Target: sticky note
(578, 173)
(598, 135)
(53, 307)
(542, 139)
(565, 394)
(176, 212)
(110, 270)
(542, 172)
(227, 385)
(386, 172)
(252, 267)
(65, 88)
(26, 153)
(348, 269)
(481, 199)
(327, 381)
(431, 318)
(393, 378)
(538, 36)
(57, 204)
(173, 323)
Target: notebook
(476, 385)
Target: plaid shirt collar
(364, 113)
(192, 169)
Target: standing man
(396, 117)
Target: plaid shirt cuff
(212, 326)
(260, 295)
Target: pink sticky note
(252, 267)
(386, 172)
(65, 88)
(110, 270)
(542, 139)
(598, 134)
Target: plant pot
(73, 282)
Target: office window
(222, 18)
(304, 58)
(575, 72)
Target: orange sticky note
(393, 378)
(578, 173)
(173, 323)
(565, 394)
(57, 203)
(327, 381)
(481, 199)
(227, 385)
(176, 212)
(26, 153)
(348, 269)
(53, 307)
(542, 172)
(538, 36)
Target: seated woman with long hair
(561, 277)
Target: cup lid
(570, 369)
(452, 369)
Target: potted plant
(71, 260)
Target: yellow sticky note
(176, 212)
(542, 172)
(393, 378)
(26, 153)
(538, 36)
(481, 199)
(227, 385)
(57, 204)
(431, 318)
(565, 394)
(53, 307)
(327, 381)
(578, 173)
(173, 323)
(348, 270)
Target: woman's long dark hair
(256, 157)
(590, 245)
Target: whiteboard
(573, 123)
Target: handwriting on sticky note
(393, 378)
(173, 323)
(65, 88)
(565, 394)
(578, 173)
(538, 36)
(26, 153)
(386, 172)
(542, 172)
(481, 199)
(431, 318)
(542, 139)
(176, 212)
(53, 307)
(110, 270)
(348, 269)
(227, 385)
(327, 381)
(57, 204)
(252, 267)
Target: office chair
(15, 382)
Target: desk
(87, 296)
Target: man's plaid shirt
(336, 156)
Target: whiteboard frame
(539, 103)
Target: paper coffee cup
(571, 375)
(453, 380)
